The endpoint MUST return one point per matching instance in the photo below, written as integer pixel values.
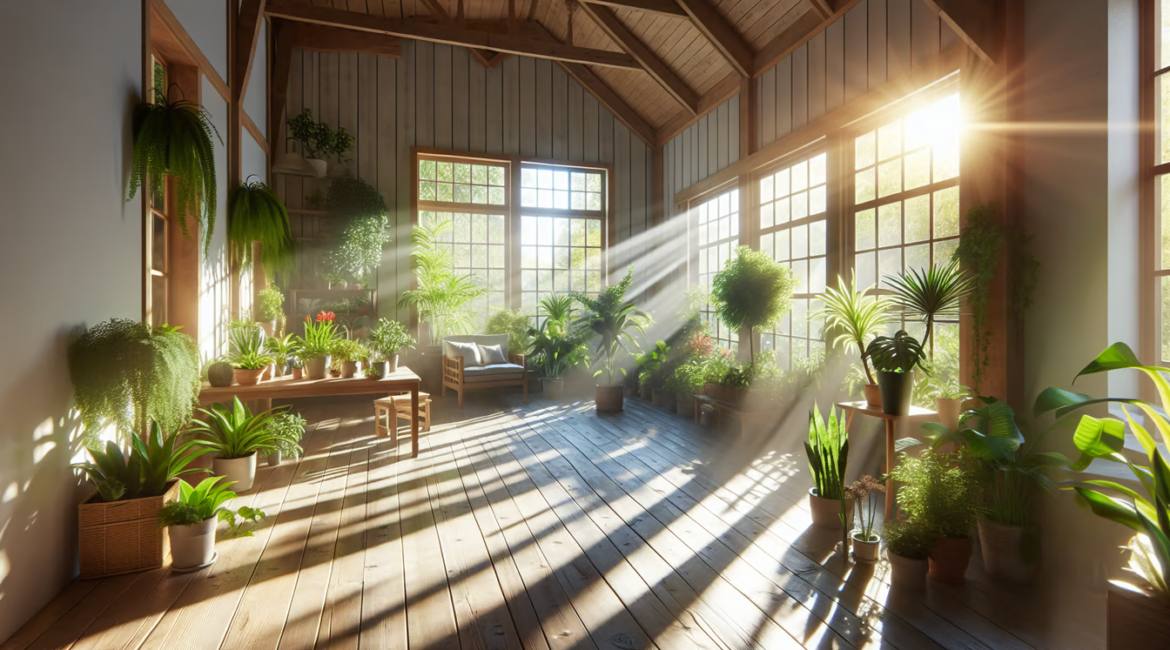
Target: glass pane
(479, 174)
(946, 213)
(158, 244)
(890, 178)
(766, 189)
(462, 173)
(889, 263)
(816, 200)
(865, 189)
(1163, 200)
(496, 195)
(865, 150)
(818, 239)
(767, 220)
(890, 224)
(946, 158)
(800, 241)
(158, 300)
(918, 169)
(918, 257)
(594, 232)
(918, 218)
(864, 230)
(1165, 324)
(426, 169)
(496, 175)
(799, 176)
(890, 140)
(782, 182)
(782, 250)
(816, 170)
(443, 171)
(864, 264)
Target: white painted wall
(70, 256)
(215, 290)
(256, 98)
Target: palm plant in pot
(856, 317)
(907, 548)
(752, 292)
(236, 436)
(1144, 509)
(316, 346)
(827, 449)
(866, 541)
(894, 358)
(387, 340)
(941, 493)
(440, 294)
(613, 320)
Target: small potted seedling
(192, 520)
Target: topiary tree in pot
(752, 292)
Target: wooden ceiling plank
(654, 66)
(664, 7)
(247, 36)
(450, 34)
(721, 34)
(974, 22)
(822, 7)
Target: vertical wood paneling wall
(440, 96)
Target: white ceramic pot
(392, 364)
(866, 550)
(348, 369)
(319, 166)
(239, 471)
(317, 367)
(949, 411)
(193, 547)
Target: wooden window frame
(1151, 173)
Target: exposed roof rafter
(722, 35)
(665, 7)
(974, 22)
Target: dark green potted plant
(752, 292)
(855, 317)
(235, 435)
(895, 358)
(191, 519)
(387, 341)
(827, 449)
(348, 353)
(556, 346)
(513, 323)
(440, 295)
(287, 430)
(649, 368)
(613, 320)
(685, 382)
(318, 141)
(907, 548)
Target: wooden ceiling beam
(450, 34)
(664, 7)
(625, 39)
(247, 36)
(322, 38)
(485, 56)
(722, 35)
(975, 23)
(822, 7)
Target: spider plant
(855, 315)
(174, 139)
(235, 432)
(931, 294)
(441, 293)
(257, 215)
(613, 319)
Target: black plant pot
(897, 389)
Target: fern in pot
(387, 341)
(259, 217)
(235, 435)
(895, 358)
(827, 449)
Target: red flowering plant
(320, 336)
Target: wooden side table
(916, 415)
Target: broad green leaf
(1097, 438)
(1112, 509)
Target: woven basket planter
(124, 536)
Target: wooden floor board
(543, 526)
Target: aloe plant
(827, 448)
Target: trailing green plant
(287, 430)
(256, 215)
(980, 249)
(827, 449)
(388, 338)
(897, 354)
(174, 139)
(147, 470)
(613, 320)
(270, 304)
(360, 252)
(441, 294)
(516, 325)
(125, 372)
(855, 316)
(317, 139)
(649, 366)
(346, 350)
(930, 294)
(752, 292)
(909, 539)
(320, 336)
(1146, 510)
(234, 431)
(939, 492)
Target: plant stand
(915, 415)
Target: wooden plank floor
(540, 526)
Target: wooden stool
(400, 404)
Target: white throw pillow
(492, 354)
(469, 352)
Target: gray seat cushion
(493, 372)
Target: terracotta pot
(826, 513)
(873, 396)
(316, 368)
(298, 374)
(554, 387)
(661, 397)
(949, 411)
(1011, 553)
(193, 547)
(866, 551)
(609, 399)
(949, 558)
(1134, 621)
(907, 573)
(274, 458)
(685, 406)
(245, 377)
(348, 369)
(240, 471)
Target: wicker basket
(123, 536)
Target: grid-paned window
(794, 231)
(717, 224)
(461, 182)
(906, 195)
(160, 219)
(1158, 109)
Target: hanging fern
(124, 372)
(257, 215)
(174, 139)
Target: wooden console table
(916, 415)
(401, 381)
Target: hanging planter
(174, 139)
(258, 216)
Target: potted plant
(686, 381)
(752, 292)
(235, 435)
(857, 317)
(282, 349)
(124, 371)
(613, 320)
(1144, 509)
(907, 547)
(257, 216)
(827, 449)
(248, 353)
(220, 372)
(941, 493)
(316, 346)
(318, 141)
(441, 294)
(298, 368)
(114, 531)
(387, 340)
(894, 359)
(348, 353)
(949, 396)
(513, 323)
(191, 519)
(270, 309)
(174, 139)
(736, 382)
(555, 345)
(866, 542)
(287, 430)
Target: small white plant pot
(193, 547)
(866, 551)
(319, 166)
(239, 471)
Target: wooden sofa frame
(453, 377)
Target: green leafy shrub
(388, 338)
(557, 345)
(360, 252)
(613, 320)
(351, 198)
(124, 372)
(346, 350)
(752, 291)
(270, 304)
(649, 366)
(909, 539)
(317, 140)
(247, 346)
(257, 215)
(939, 492)
(287, 430)
(441, 294)
(515, 325)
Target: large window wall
(1156, 168)
(717, 226)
